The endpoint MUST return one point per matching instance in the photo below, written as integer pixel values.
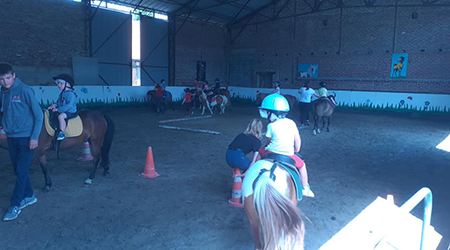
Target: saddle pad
(289, 165)
(297, 182)
(74, 126)
(254, 171)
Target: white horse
(270, 201)
(205, 103)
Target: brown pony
(270, 202)
(151, 97)
(98, 130)
(323, 108)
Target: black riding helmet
(323, 84)
(65, 77)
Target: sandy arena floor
(364, 156)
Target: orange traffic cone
(86, 153)
(2, 134)
(236, 195)
(149, 171)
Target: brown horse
(163, 104)
(323, 108)
(98, 130)
(270, 201)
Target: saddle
(74, 127)
(288, 164)
(326, 99)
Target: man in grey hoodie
(22, 121)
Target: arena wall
(360, 100)
(353, 52)
(39, 38)
(199, 41)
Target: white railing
(423, 194)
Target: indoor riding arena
(174, 82)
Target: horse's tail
(280, 219)
(107, 140)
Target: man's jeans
(21, 157)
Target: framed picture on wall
(201, 70)
(308, 70)
(399, 65)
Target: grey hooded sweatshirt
(22, 115)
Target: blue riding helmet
(274, 104)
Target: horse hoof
(88, 181)
(318, 131)
(46, 189)
(314, 132)
(106, 174)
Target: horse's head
(401, 59)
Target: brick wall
(353, 53)
(198, 42)
(40, 37)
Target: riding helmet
(274, 104)
(65, 77)
(323, 84)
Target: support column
(88, 27)
(172, 47)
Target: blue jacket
(67, 102)
(22, 115)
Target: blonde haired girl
(243, 144)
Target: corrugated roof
(218, 11)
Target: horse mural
(270, 202)
(397, 70)
(309, 73)
(323, 108)
(161, 104)
(97, 128)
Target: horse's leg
(95, 150)
(48, 182)
(209, 107)
(253, 218)
(315, 124)
(323, 122)
(328, 124)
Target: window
(136, 50)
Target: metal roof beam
(239, 12)
(245, 7)
(282, 8)
(212, 6)
(250, 16)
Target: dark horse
(161, 104)
(323, 108)
(98, 130)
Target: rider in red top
(188, 101)
(159, 90)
